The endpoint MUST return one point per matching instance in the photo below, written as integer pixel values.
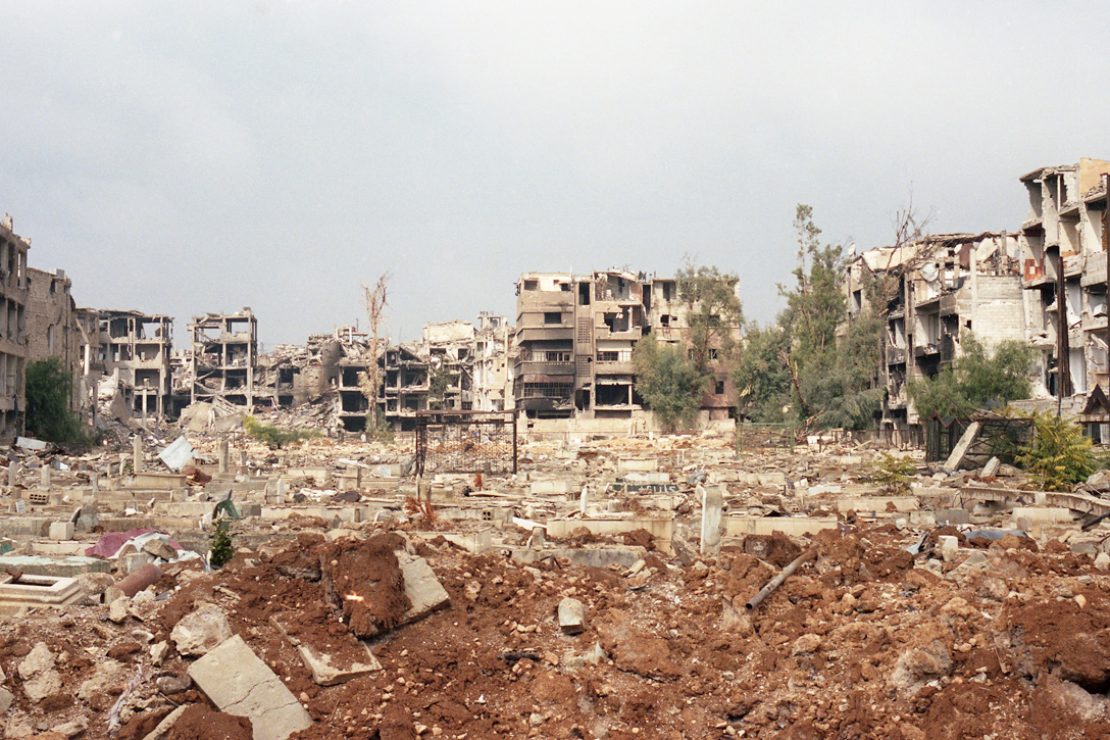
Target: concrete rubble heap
(616, 587)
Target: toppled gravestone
(201, 630)
(239, 683)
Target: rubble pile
(619, 588)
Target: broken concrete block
(117, 610)
(239, 683)
(40, 679)
(572, 616)
(158, 652)
(1102, 561)
(61, 531)
(326, 673)
(960, 450)
(948, 546)
(201, 630)
(6, 699)
(991, 468)
(425, 592)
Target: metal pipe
(775, 582)
(145, 576)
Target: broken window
(719, 388)
(552, 317)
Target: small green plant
(275, 437)
(893, 474)
(1058, 456)
(220, 548)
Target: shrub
(275, 437)
(669, 382)
(1058, 456)
(220, 548)
(49, 388)
(893, 474)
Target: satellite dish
(930, 272)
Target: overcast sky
(189, 157)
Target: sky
(187, 157)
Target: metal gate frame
(442, 418)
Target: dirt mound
(363, 580)
(198, 722)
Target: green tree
(668, 381)
(713, 311)
(975, 380)
(220, 546)
(1059, 455)
(832, 379)
(439, 381)
(49, 389)
(762, 380)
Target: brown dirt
(198, 722)
(363, 579)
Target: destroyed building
(54, 331)
(1065, 270)
(933, 292)
(574, 339)
(225, 359)
(13, 329)
(135, 351)
(491, 378)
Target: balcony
(616, 367)
(896, 355)
(540, 367)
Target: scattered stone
(117, 610)
(40, 679)
(572, 616)
(201, 630)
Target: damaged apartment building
(574, 339)
(454, 365)
(224, 360)
(1064, 239)
(130, 353)
(933, 293)
(13, 329)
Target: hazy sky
(189, 157)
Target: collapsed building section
(13, 329)
(225, 357)
(934, 292)
(135, 351)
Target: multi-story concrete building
(574, 339)
(492, 383)
(135, 352)
(54, 331)
(225, 359)
(13, 330)
(1064, 240)
(932, 294)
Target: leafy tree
(761, 378)
(1059, 455)
(49, 389)
(976, 380)
(713, 311)
(668, 381)
(832, 381)
(439, 381)
(893, 474)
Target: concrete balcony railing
(538, 367)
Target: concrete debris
(237, 682)
(572, 616)
(201, 630)
(472, 591)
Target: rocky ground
(885, 630)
